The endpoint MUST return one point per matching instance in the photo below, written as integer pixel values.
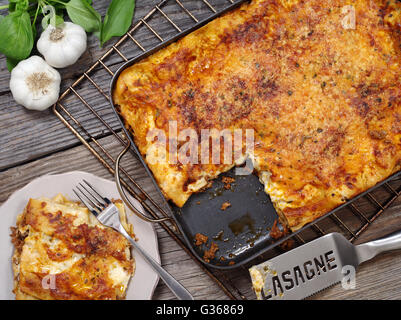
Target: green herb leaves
(117, 20)
(16, 37)
(19, 28)
(82, 13)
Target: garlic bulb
(62, 46)
(34, 84)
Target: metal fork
(108, 214)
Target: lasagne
(62, 252)
(317, 81)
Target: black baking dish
(242, 232)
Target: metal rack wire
(87, 114)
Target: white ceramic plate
(143, 282)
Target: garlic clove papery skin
(34, 84)
(63, 45)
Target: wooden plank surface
(378, 279)
(33, 144)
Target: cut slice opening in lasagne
(321, 96)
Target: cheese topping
(322, 99)
(63, 252)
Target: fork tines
(91, 198)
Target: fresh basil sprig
(82, 13)
(16, 37)
(18, 29)
(117, 20)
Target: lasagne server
(315, 266)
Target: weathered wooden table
(37, 143)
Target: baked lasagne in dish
(318, 82)
(62, 252)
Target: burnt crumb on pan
(227, 182)
(226, 179)
(225, 205)
(211, 252)
(227, 186)
(276, 233)
(200, 239)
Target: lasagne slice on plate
(63, 252)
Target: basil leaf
(22, 5)
(80, 12)
(117, 20)
(16, 38)
(11, 7)
(11, 63)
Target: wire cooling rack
(84, 108)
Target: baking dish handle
(124, 195)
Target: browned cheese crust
(323, 100)
(63, 253)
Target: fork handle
(178, 289)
